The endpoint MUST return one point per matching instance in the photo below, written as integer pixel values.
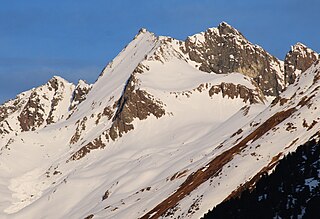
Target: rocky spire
(297, 60)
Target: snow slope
(296, 121)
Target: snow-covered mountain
(169, 129)
(42, 106)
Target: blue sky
(75, 39)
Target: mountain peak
(142, 31)
(298, 45)
(301, 47)
(297, 60)
(82, 83)
(224, 50)
(56, 78)
(225, 28)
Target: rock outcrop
(134, 103)
(224, 50)
(80, 93)
(297, 60)
(41, 106)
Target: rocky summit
(170, 129)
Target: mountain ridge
(162, 128)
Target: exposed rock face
(225, 50)
(36, 108)
(95, 144)
(32, 115)
(80, 93)
(58, 86)
(297, 60)
(45, 104)
(229, 90)
(81, 126)
(11, 107)
(234, 91)
(134, 103)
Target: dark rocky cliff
(224, 50)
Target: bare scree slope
(169, 129)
